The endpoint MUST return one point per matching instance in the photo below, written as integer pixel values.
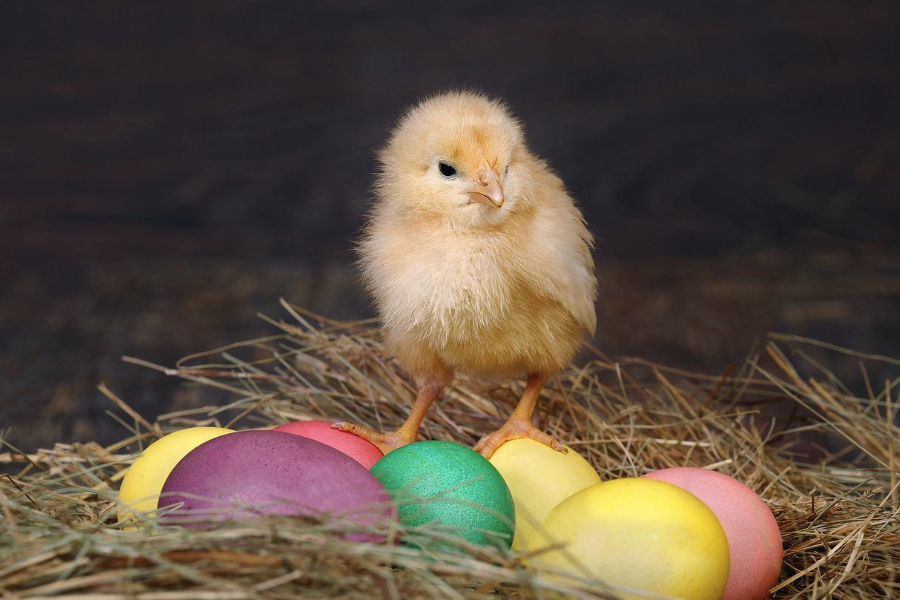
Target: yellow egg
(639, 538)
(539, 478)
(144, 480)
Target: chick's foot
(384, 441)
(516, 427)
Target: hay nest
(837, 508)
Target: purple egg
(255, 473)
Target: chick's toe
(384, 441)
(515, 428)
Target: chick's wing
(561, 259)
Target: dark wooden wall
(169, 170)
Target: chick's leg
(519, 423)
(407, 432)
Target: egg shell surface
(360, 450)
(253, 473)
(753, 534)
(454, 486)
(145, 478)
(639, 535)
(539, 478)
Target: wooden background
(168, 171)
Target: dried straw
(837, 507)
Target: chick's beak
(487, 189)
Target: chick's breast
(484, 302)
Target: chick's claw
(512, 430)
(384, 441)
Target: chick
(477, 258)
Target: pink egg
(363, 452)
(253, 473)
(753, 535)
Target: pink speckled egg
(271, 473)
(753, 535)
(360, 450)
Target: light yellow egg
(539, 478)
(145, 478)
(639, 535)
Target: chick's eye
(446, 169)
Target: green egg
(449, 486)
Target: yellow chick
(478, 260)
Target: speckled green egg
(447, 485)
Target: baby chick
(477, 258)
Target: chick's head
(457, 157)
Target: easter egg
(360, 450)
(251, 473)
(639, 535)
(452, 487)
(539, 478)
(753, 535)
(144, 480)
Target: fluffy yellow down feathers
(478, 259)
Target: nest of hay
(828, 469)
